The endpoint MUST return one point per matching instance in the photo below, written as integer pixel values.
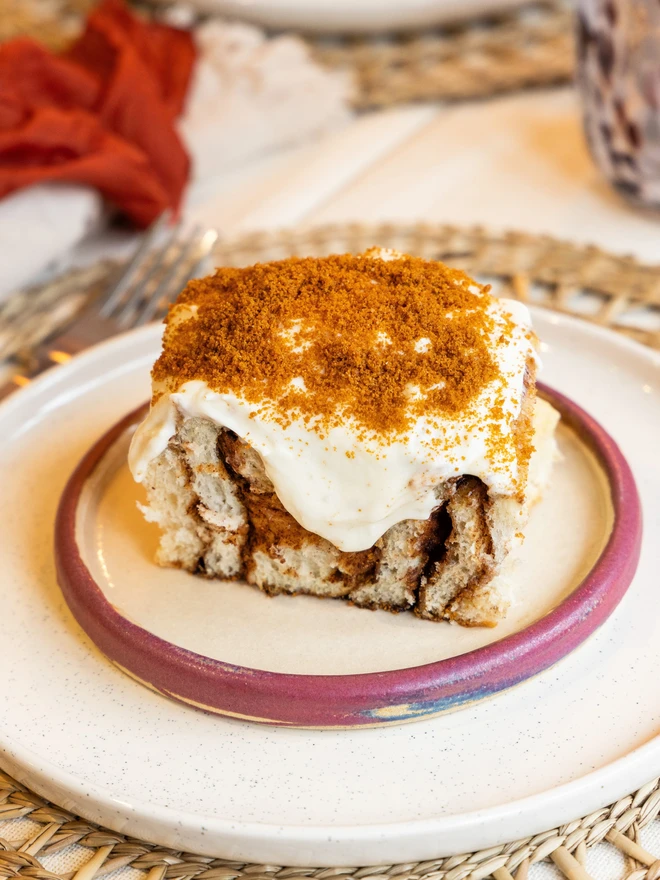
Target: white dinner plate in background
(351, 16)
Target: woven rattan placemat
(531, 46)
(614, 291)
(43, 842)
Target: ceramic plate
(579, 735)
(176, 634)
(352, 16)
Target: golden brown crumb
(358, 332)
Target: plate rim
(364, 699)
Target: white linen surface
(39, 226)
(252, 94)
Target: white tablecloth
(514, 162)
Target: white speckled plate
(76, 729)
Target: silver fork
(155, 275)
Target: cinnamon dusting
(380, 342)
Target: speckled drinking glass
(619, 80)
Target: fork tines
(165, 261)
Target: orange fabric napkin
(103, 114)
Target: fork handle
(38, 365)
(57, 350)
(90, 329)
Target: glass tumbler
(618, 76)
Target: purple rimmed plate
(228, 649)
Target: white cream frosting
(351, 490)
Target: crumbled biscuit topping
(377, 341)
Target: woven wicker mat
(42, 842)
(614, 291)
(531, 46)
